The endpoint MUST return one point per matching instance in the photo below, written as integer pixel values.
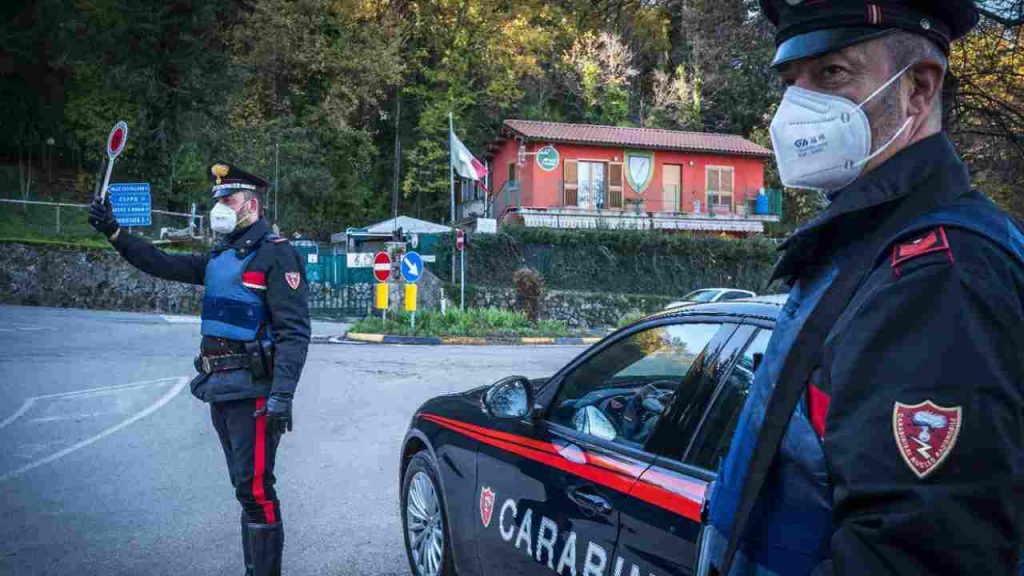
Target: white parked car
(708, 295)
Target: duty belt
(208, 364)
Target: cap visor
(820, 42)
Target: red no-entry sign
(460, 240)
(381, 266)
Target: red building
(550, 174)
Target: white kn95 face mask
(822, 141)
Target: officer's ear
(925, 88)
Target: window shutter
(615, 185)
(570, 182)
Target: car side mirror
(510, 398)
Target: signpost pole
(462, 295)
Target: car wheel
(424, 521)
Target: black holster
(261, 358)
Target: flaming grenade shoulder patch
(486, 505)
(925, 434)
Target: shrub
(529, 292)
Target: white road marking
(181, 319)
(27, 328)
(182, 381)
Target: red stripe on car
(661, 489)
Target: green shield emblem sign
(639, 169)
(547, 158)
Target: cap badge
(220, 171)
(925, 434)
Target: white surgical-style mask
(821, 141)
(223, 219)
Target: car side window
(735, 295)
(713, 437)
(620, 393)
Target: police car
(600, 470)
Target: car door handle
(590, 501)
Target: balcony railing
(654, 200)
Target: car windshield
(700, 296)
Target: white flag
(465, 164)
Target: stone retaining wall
(34, 275)
(578, 309)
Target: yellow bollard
(380, 300)
(410, 297)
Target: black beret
(807, 28)
(228, 179)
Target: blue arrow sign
(132, 204)
(412, 267)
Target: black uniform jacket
(920, 399)
(288, 307)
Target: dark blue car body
(536, 495)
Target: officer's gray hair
(250, 194)
(905, 49)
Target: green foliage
(474, 322)
(616, 261)
(309, 92)
(629, 318)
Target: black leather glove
(278, 410)
(101, 217)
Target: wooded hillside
(322, 85)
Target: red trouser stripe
(260, 465)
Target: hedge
(623, 261)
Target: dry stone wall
(34, 275)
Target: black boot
(246, 547)
(267, 544)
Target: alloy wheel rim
(424, 525)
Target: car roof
(763, 307)
(719, 290)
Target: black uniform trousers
(250, 448)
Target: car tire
(419, 485)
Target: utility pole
(398, 160)
(451, 181)
(277, 180)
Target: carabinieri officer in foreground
(255, 326)
(884, 432)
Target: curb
(462, 340)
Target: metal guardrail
(60, 227)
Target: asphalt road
(109, 466)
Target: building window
(614, 185)
(720, 185)
(513, 172)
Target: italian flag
(464, 163)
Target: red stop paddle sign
(117, 139)
(460, 240)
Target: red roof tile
(646, 138)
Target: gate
(335, 290)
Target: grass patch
(474, 322)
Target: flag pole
(451, 181)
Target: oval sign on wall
(547, 158)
